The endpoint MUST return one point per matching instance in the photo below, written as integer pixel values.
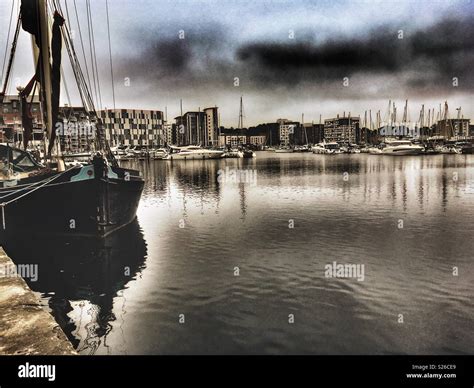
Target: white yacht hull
(195, 155)
(402, 151)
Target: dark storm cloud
(423, 62)
(435, 55)
(176, 62)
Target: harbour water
(216, 266)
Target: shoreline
(25, 327)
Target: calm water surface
(126, 296)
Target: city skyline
(342, 56)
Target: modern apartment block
(233, 140)
(168, 133)
(133, 127)
(287, 130)
(342, 130)
(453, 128)
(198, 127)
(212, 125)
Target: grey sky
(279, 76)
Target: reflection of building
(10, 119)
(133, 127)
(344, 130)
(198, 128)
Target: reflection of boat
(82, 280)
(401, 147)
(192, 152)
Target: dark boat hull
(81, 202)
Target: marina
(145, 210)
(347, 209)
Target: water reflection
(352, 220)
(190, 267)
(80, 280)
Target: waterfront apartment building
(257, 141)
(287, 129)
(168, 133)
(453, 128)
(230, 137)
(133, 127)
(309, 133)
(10, 119)
(212, 126)
(233, 140)
(198, 128)
(342, 129)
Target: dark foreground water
(168, 284)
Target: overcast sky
(291, 57)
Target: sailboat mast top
(46, 66)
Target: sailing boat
(41, 196)
(244, 151)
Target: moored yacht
(327, 148)
(192, 152)
(284, 150)
(246, 153)
(401, 147)
(159, 153)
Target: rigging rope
(84, 91)
(110, 52)
(91, 53)
(82, 44)
(12, 56)
(94, 58)
(8, 40)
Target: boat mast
(46, 66)
(304, 128)
(459, 124)
(241, 114)
(405, 113)
(180, 137)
